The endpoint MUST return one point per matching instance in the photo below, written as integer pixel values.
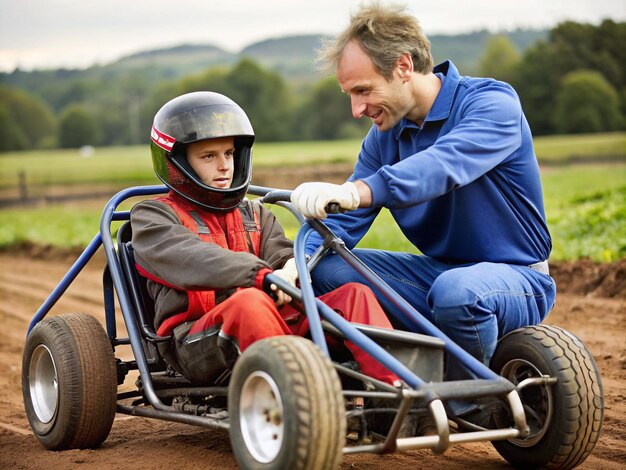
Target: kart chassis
(415, 355)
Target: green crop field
(585, 203)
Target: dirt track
(138, 443)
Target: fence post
(23, 188)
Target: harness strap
(249, 224)
(202, 228)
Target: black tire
(69, 382)
(564, 418)
(286, 407)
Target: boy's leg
(357, 303)
(214, 341)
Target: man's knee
(451, 289)
(331, 273)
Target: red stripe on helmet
(164, 141)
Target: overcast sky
(78, 33)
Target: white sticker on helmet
(164, 141)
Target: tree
(535, 81)
(77, 127)
(11, 135)
(326, 114)
(500, 59)
(585, 46)
(262, 94)
(570, 47)
(30, 119)
(586, 102)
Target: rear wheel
(69, 382)
(565, 418)
(286, 407)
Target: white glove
(289, 273)
(311, 199)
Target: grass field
(133, 164)
(560, 149)
(585, 203)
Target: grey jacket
(169, 251)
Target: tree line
(571, 82)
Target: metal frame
(432, 394)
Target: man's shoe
(408, 427)
(426, 426)
(419, 422)
(484, 415)
(379, 423)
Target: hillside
(185, 58)
(465, 50)
(292, 57)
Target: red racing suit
(220, 319)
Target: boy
(206, 250)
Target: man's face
(372, 95)
(213, 161)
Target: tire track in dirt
(35, 293)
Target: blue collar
(449, 76)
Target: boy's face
(213, 161)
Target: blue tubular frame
(103, 237)
(314, 307)
(115, 269)
(58, 291)
(407, 312)
(418, 324)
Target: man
(206, 250)
(452, 158)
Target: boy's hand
(311, 199)
(289, 273)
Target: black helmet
(190, 118)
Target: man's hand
(311, 199)
(289, 273)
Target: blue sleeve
(485, 134)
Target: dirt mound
(588, 278)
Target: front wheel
(564, 418)
(69, 382)
(286, 407)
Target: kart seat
(141, 301)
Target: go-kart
(287, 403)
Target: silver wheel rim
(43, 384)
(537, 401)
(261, 417)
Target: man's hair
(384, 33)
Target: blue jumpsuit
(465, 189)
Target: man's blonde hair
(384, 33)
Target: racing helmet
(190, 118)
